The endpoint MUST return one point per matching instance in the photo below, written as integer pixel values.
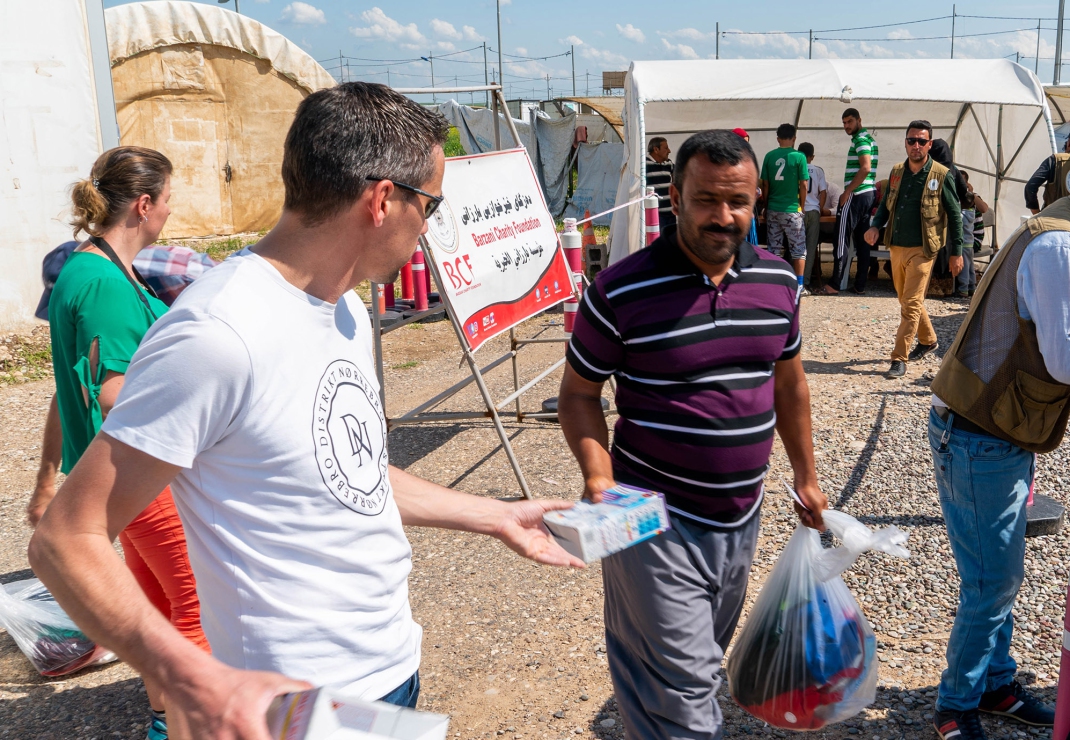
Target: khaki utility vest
(1059, 187)
(933, 217)
(994, 374)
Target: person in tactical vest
(919, 206)
(1001, 396)
(1054, 174)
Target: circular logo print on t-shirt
(442, 228)
(350, 438)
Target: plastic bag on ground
(44, 632)
(805, 658)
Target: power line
(928, 38)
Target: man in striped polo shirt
(701, 331)
(856, 205)
(659, 176)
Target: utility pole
(811, 54)
(547, 87)
(717, 43)
(341, 67)
(431, 60)
(501, 69)
(573, 55)
(588, 89)
(953, 14)
(1036, 66)
(486, 80)
(1059, 45)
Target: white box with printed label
(625, 517)
(323, 714)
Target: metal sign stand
(424, 412)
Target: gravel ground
(517, 650)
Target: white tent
(214, 91)
(992, 112)
(56, 116)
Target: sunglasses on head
(431, 206)
(917, 140)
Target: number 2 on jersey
(780, 169)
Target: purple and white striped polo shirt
(694, 367)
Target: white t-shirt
(814, 187)
(267, 397)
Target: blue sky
(608, 35)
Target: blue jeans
(984, 485)
(406, 694)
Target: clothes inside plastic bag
(806, 656)
(44, 632)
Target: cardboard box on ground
(325, 714)
(626, 517)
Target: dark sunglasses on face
(916, 141)
(431, 206)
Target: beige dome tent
(214, 91)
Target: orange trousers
(155, 548)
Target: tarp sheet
(596, 182)
(549, 147)
(992, 111)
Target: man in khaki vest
(919, 207)
(1054, 174)
(1001, 396)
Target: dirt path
(516, 650)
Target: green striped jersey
(861, 143)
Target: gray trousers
(812, 224)
(671, 606)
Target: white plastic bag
(806, 656)
(44, 632)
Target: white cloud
(470, 34)
(575, 40)
(900, 33)
(303, 14)
(771, 45)
(444, 29)
(381, 26)
(690, 34)
(521, 51)
(262, 1)
(445, 46)
(631, 33)
(683, 51)
(603, 57)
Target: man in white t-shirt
(255, 397)
(816, 198)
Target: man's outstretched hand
(521, 528)
(225, 704)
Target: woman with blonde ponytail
(99, 310)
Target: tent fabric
(609, 107)
(992, 112)
(548, 142)
(598, 168)
(201, 85)
(134, 28)
(50, 134)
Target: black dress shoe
(920, 350)
(897, 369)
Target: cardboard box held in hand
(323, 714)
(626, 517)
